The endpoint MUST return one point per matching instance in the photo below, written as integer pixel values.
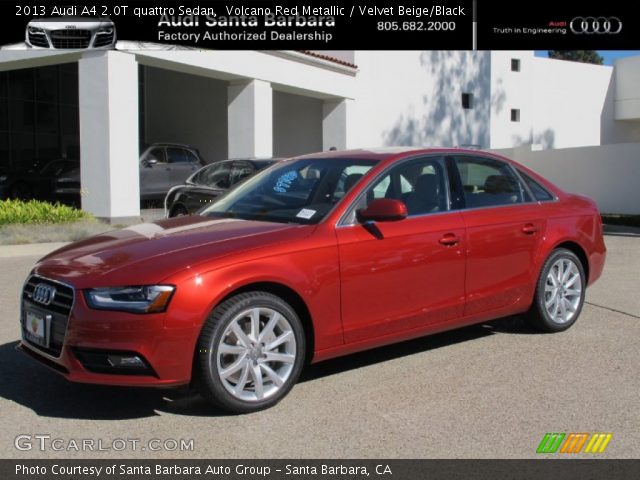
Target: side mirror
(150, 161)
(382, 210)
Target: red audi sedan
(315, 257)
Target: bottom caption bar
(334, 469)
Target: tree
(584, 56)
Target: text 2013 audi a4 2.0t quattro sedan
(315, 257)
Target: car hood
(150, 252)
(77, 22)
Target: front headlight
(35, 30)
(142, 299)
(108, 30)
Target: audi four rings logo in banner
(596, 25)
(44, 294)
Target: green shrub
(35, 212)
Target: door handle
(449, 239)
(529, 229)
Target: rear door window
(487, 182)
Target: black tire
(208, 361)
(538, 315)
(178, 211)
(21, 191)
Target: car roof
(170, 144)
(385, 153)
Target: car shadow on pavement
(48, 394)
(508, 325)
(33, 386)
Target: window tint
(178, 155)
(239, 172)
(348, 179)
(420, 184)
(487, 182)
(539, 192)
(299, 191)
(191, 157)
(215, 175)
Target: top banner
(355, 24)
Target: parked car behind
(208, 183)
(163, 165)
(40, 180)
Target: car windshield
(294, 191)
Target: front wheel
(559, 293)
(251, 352)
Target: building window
(515, 64)
(515, 114)
(467, 101)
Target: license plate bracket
(37, 327)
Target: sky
(609, 55)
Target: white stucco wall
(568, 102)
(196, 116)
(627, 88)
(414, 98)
(511, 90)
(606, 173)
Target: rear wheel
(560, 292)
(251, 352)
(178, 211)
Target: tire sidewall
(212, 333)
(546, 321)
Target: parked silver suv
(71, 33)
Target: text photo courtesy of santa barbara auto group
(264, 239)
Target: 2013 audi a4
(315, 257)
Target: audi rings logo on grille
(596, 25)
(44, 294)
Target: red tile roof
(328, 58)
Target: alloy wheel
(563, 290)
(256, 354)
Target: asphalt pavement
(488, 391)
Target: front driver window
(420, 184)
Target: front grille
(59, 309)
(38, 40)
(103, 39)
(70, 38)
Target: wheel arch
(579, 251)
(290, 296)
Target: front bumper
(93, 337)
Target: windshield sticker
(283, 184)
(306, 213)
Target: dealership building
(102, 106)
